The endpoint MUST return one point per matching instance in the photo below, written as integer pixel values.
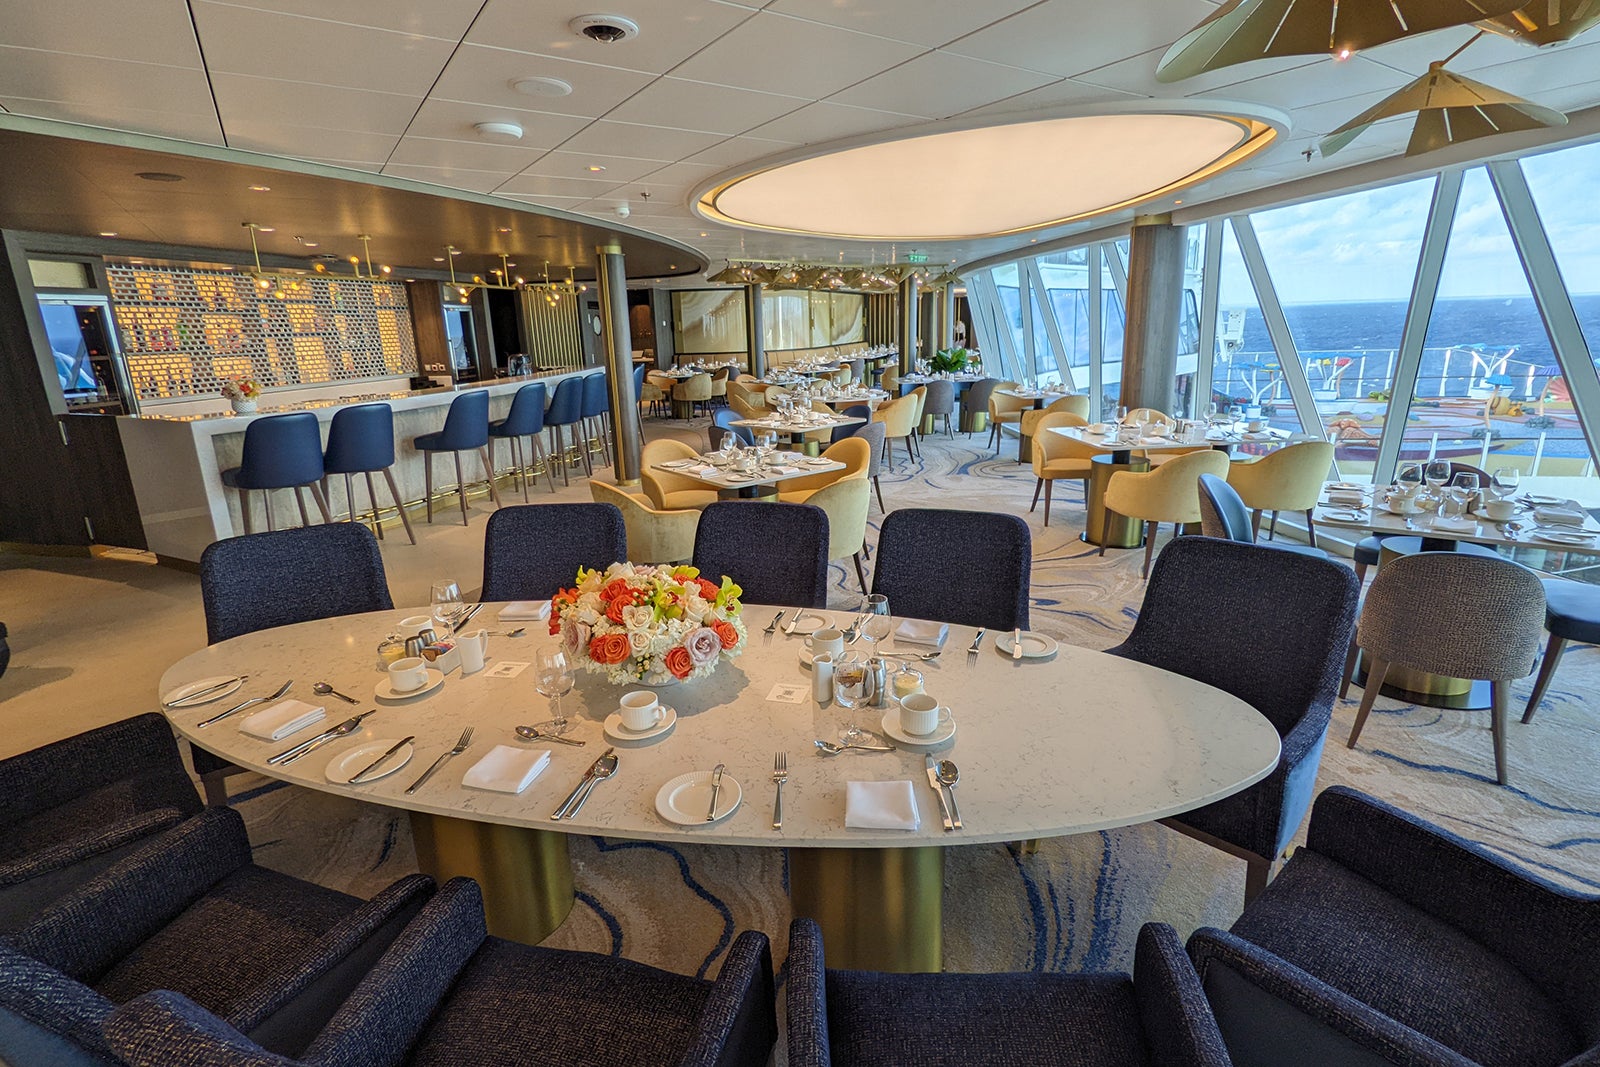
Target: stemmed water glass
(851, 690)
(1436, 473)
(878, 622)
(554, 680)
(1504, 481)
(447, 605)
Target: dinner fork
(780, 775)
(772, 626)
(461, 746)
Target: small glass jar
(391, 648)
(906, 681)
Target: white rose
(638, 642)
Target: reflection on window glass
(1343, 269)
(1245, 373)
(1113, 323)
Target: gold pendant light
(1244, 30)
(1546, 21)
(1450, 109)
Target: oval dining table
(1075, 743)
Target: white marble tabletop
(1111, 442)
(821, 422)
(1073, 744)
(730, 479)
(1036, 394)
(1477, 528)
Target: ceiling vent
(607, 29)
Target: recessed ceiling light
(596, 168)
(705, 235)
(502, 229)
(672, 266)
(158, 176)
(1033, 240)
(259, 188)
(498, 131)
(1177, 201)
(108, 233)
(542, 87)
(438, 259)
(455, 251)
(310, 244)
(266, 229)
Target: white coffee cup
(919, 714)
(474, 647)
(413, 625)
(641, 710)
(1256, 425)
(1499, 510)
(822, 677)
(1403, 505)
(408, 674)
(826, 640)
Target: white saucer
(1541, 500)
(1561, 537)
(678, 464)
(618, 732)
(686, 799)
(1334, 514)
(1034, 646)
(818, 621)
(204, 683)
(385, 691)
(1351, 486)
(815, 461)
(941, 733)
(342, 767)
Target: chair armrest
(46, 777)
(50, 1000)
(1178, 1025)
(806, 999)
(381, 1020)
(165, 1029)
(95, 840)
(1303, 738)
(90, 929)
(1272, 1011)
(737, 1023)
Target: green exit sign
(916, 257)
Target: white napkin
(526, 611)
(921, 632)
(1558, 516)
(1351, 497)
(504, 769)
(1458, 524)
(281, 720)
(783, 470)
(880, 806)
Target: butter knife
(938, 789)
(466, 618)
(716, 788)
(355, 779)
(1016, 644)
(977, 642)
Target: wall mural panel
(711, 321)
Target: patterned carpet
(1077, 902)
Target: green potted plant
(949, 361)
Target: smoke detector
(498, 131)
(607, 29)
(539, 86)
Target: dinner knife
(588, 776)
(355, 779)
(466, 618)
(716, 788)
(1016, 644)
(192, 698)
(289, 755)
(938, 788)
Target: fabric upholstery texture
(1168, 493)
(854, 452)
(1288, 479)
(1572, 610)
(668, 491)
(1077, 404)
(965, 567)
(466, 425)
(735, 539)
(533, 551)
(653, 536)
(360, 439)
(846, 503)
(526, 416)
(279, 451)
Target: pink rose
(575, 637)
(704, 645)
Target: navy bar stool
(525, 419)
(280, 452)
(566, 409)
(360, 441)
(597, 407)
(466, 429)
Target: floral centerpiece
(242, 392)
(655, 625)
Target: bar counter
(176, 461)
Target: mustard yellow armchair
(891, 379)
(1153, 419)
(899, 418)
(653, 536)
(854, 452)
(745, 408)
(1056, 457)
(1077, 405)
(694, 390)
(1169, 493)
(668, 491)
(846, 503)
(1005, 411)
(1289, 479)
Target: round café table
(1080, 742)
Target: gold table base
(525, 873)
(1125, 532)
(880, 909)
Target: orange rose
(614, 609)
(708, 591)
(564, 599)
(726, 632)
(676, 660)
(609, 649)
(615, 588)
(555, 624)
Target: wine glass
(851, 690)
(1504, 481)
(878, 622)
(447, 605)
(1436, 473)
(554, 680)
(1466, 481)
(1410, 476)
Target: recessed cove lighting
(856, 190)
(542, 87)
(158, 176)
(502, 229)
(498, 131)
(438, 259)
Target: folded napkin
(880, 806)
(783, 470)
(1153, 440)
(921, 632)
(1351, 497)
(526, 611)
(1457, 524)
(1558, 516)
(504, 769)
(281, 720)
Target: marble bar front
(175, 461)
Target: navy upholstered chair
(447, 994)
(596, 414)
(264, 580)
(189, 912)
(1390, 940)
(361, 441)
(722, 424)
(965, 567)
(854, 411)
(533, 551)
(1285, 663)
(466, 429)
(525, 419)
(738, 538)
(566, 410)
(1571, 613)
(73, 808)
(1158, 1016)
(280, 452)
(1223, 514)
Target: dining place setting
(734, 465)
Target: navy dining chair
(533, 551)
(280, 452)
(970, 568)
(566, 410)
(736, 538)
(466, 429)
(596, 414)
(722, 424)
(361, 441)
(525, 419)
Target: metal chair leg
(427, 483)
(322, 501)
(399, 505)
(488, 469)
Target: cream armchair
(694, 390)
(745, 408)
(1169, 493)
(1005, 411)
(1056, 457)
(899, 418)
(1077, 405)
(846, 503)
(653, 536)
(1289, 479)
(668, 491)
(853, 452)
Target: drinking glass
(1409, 477)
(1437, 473)
(554, 680)
(1504, 481)
(1467, 483)
(447, 605)
(1211, 412)
(850, 690)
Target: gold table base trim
(525, 874)
(880, 909)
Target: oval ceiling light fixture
(947, 182)
(498, 131)
(542, 87)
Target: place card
(789, 693)
(505, 669)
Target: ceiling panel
(452, 121)
(577, 165)
(309, 142)
(152, 31)
(1063, 93)
(430, 18)
(828, 121)
(92, 84)
(1137, 74)
(670, 30)
(739, 150)
(477, 181)
(693, 105)
(1413, 55)
(1324, 81)
(534, 185)
(925, 22)
(1067, 37)
(640, 142)
(682, 174)
(480, 74)
(1535, 73)
(185, 126)
(778, 54)
(939, 84)
(473, 155)
(342, 109)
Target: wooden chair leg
(349, 496)
(245, 513)
(1272, 527)
(1547, 670)
(300, 501)
(1150, 531)
(1105, 529)
(488, 469)
(879, 487)
(1037, 485)
(1257, 872)
(1311, 529)
(399, 505)
(1349, 669)
(1255, 525)
(1048, 486)
(461, 487)
(861, 575)
(1500, 702)
(266, 498)
(214, 784)
(372, 497)
(1377, 670)
(544, 457)
(427, 483)
(1361, 573)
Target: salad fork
(772, 627)
(461, 746)
(780, 775)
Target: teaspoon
(529, 733)
(949, 775)
(323, 689)
(830, 749)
